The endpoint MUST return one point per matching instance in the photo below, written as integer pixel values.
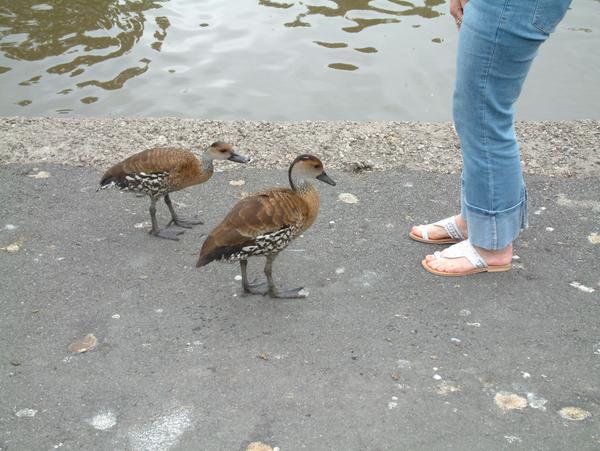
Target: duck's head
(304, 169)
(224, 151)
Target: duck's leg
(175, 219)
(162, 233)
(274, 292)
(252, 287)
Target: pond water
(267, 60)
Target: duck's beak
(325, 178)
(238, 158)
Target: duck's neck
(310, 195)
(207, 164)
(301, 186)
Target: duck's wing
(256, 225)
(149, 164)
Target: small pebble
(87, 343)
(348, 198)
(574, 413)
(509, 401)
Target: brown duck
(264, 223)
(160, 171)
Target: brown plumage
(160, 171)
(266, 222)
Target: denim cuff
(494, 230)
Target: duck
(265, 223)
(159, 171)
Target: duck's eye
(222, 151)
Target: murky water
(272, 60)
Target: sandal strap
(451, 227)
(424, 232)
(463, 249)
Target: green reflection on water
(78, 36)
(275, 4)
(332, 45)
(366, 50)
(91, 31)
(89, 99)
(345, 9)
(119, 80)
(343, 66)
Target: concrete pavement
(380, 356)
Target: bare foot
(438, 232)
(460, 265)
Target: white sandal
(465, 249)
(449, 225)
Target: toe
(416, 230)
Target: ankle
(496, 256)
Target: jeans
(498, 41)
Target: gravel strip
(565, 149)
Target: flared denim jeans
(498, 41)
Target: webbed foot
(185, 223)
(255, 287)
(167, 234)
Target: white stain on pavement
(39, 175)
(564, 201)
(582, 287)
(348, 198)
(103, 421)
(536, 402)
(594, 238)
(30, 413)
(142, 225)
(163, 433)
(512, 439)
(13, 247)
(446, 388)
(403, 363)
